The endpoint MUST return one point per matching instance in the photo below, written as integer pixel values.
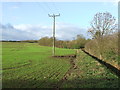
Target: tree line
(77, 43)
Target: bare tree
(102, 24)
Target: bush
(78, 43)
(108, 48)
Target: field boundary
(65, 56)
(109, 66)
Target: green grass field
(28, 65)
(31, 65)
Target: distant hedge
(78, 43)
(29, 41)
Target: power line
(48, 7)
(53, 3)
(57, 9)
(43, 8)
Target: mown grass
(30, 65)
(90, 74)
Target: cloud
(15, 7)
(68, 31)
(64, 31)
(113, 2)
(11, 33)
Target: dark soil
(66, 56)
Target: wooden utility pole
(54, 16)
